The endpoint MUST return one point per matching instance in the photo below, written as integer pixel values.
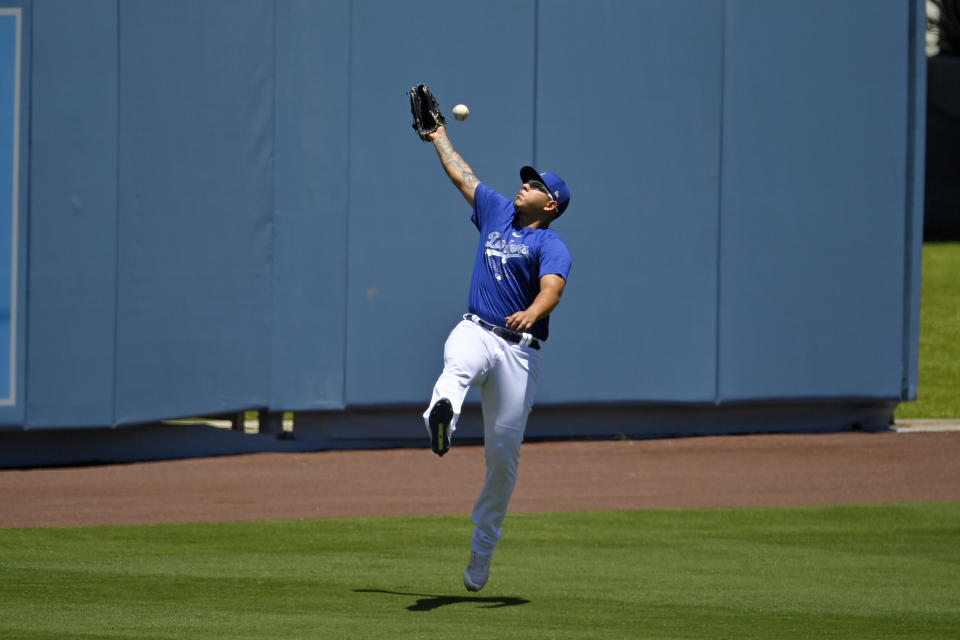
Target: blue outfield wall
(228, 208)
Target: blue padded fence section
(309, 255)
(412, 245)
(196, 181)
(813, 200)
(73, 222)
(630, 116)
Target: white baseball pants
(507, 374)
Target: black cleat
(440, 417)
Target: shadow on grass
(429, 602)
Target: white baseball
(460, 112)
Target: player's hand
(521, 321)
(441, 131)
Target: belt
(523, 339)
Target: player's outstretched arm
(459, 171)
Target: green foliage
(885, 571)
(939, 376)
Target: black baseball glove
(426, 111)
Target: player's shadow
(429, 602)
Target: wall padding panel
(311, 197)
(195, 233)
(410, 237)
(73, 222)
(630, 115)
(813, 200)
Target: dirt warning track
(722, 471)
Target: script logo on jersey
(499, 251)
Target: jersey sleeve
(555, 257)
(487, 203)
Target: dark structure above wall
(942, 185)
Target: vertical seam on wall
(909, 213)
(719, 283)
(536, 76)
(272, 219)
(21, 220)
(116, 235)
(347, 202)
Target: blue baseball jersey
(510, 261)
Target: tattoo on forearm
(455, 165)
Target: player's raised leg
(467, 356)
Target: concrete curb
(926, 425)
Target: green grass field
(889, 571)
(939, 379)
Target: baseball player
(519, 274)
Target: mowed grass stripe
(877, 571)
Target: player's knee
(467, 371)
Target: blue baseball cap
(554, 184)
